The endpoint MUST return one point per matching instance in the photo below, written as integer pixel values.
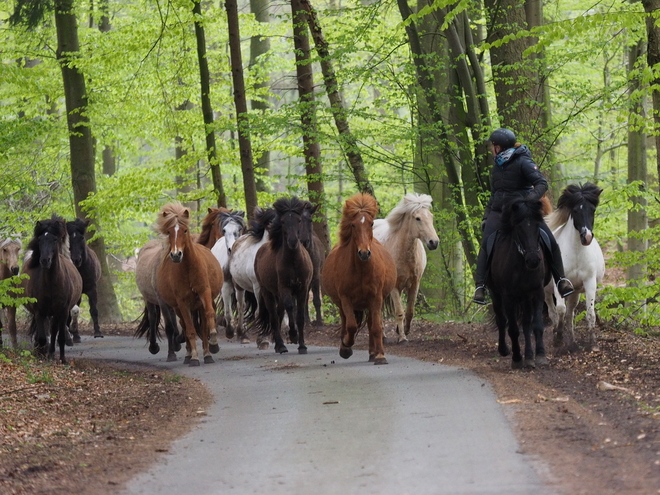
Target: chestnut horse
(10, 249)
(89, 267)
(189, 279)
(211, 227)
(284, 272)
(54, 282)
(358, 275)
(149, 259)
(404, 232)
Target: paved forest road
(321, 425)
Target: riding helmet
(503, 137)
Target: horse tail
(251, 306)
(388, 305)
(546, 205)
(261, 321)
(144, 326)
(32, 329)
(359, 318)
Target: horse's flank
(10, 249)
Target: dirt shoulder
(89, 427)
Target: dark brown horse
(54, 282)
(89, 267)
(211, 227)
(284, 271)
(316, 250)
(189, 279)
(358, 274)
(10, 249)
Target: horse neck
(568, 234)
(4, 270)
(400, 239)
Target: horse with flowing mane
(189, 279)
(358, 275)
(518, 273)
(10, 250)
(89, 267)
(583, 259)
(404, 232)
(284, 271)
(211, 227)
(54, 282)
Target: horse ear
(210, 210)
(240, 213)
(186, 213)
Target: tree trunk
(207, 109)
(83, 176)
(309, 128)
(240, 102)
(347, 140)
(651, 7)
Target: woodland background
(109, 109)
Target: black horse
(89, 267)
(316, 250)
(54, 282)
(518, 273)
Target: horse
(584, 264)
(149, 259)
(188, 279)
(358, 275)
(233, 226)
(517, 275)
(284, 271)
(404, 232)
(316, 250)
(241, 268)
(10, 250)
(53, 281)
(89, 267)
(211, 227)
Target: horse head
(288, 226)
(173, 225)
(357, 223)
(49, 240)
(421, 218)
(10, 249)
(77, 245)
(521, 219)
(307, 234)
(233, 226)
(581, 203)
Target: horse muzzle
(176, 257)
(46, 262)
(586, 236)
(364, 255)
(14, 270)
(431, 244)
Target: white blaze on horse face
(363, 219)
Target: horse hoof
(209, 360)
(530, 363)
(372, 358)
(345, 352)
(317, 323)
(214, 348)
(154, 349)
(541, 361)
(98, 335)
(403, 341)
(171, 358)
(293, 337)
(380, 360)
(281, 349)
(76, 339)
(262, 346)
(245, 340)
(181, 339)
(193, 362)
(229, 333)
(68, 341)
(504, 350)
(186, 360)
(302, 350)
(516, 365)
(177, 347)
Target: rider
(514, 175)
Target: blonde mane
(557, 218)
(410, 203)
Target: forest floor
(593, 418)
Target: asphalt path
(318, 424)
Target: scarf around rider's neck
(503, 156)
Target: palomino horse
(316, 250)
(284, 272)
(89, 267)
(358, 274)
(405, 232)
(241, 267)
(518, 272)
(233, 226)
(211, 227)
(10, 249)
(149, 259)
(54, 282)
(583, 259)
(189, 279)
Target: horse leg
(303, 297)
(569, 319)
(38, 329)
(59, 329)
(514, 334)
(549, 295)
(398, 316)
(375, 325)
(275, 315)
(590, 299)
(171, 330)
(527, 328)
(410, 304)
(561, 319)
(73, 323)
(209, 331)
(153, 313)
(92, 297)
(500, 320)
(537, 329)
(289, 304)
(192, 358)
(316, 298)
(348, 329)
(227, 291)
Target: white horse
(582, 256)
(405, 232)
(233, 226)
(241, 267)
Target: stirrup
(567, 290)
(480, 295)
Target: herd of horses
(262, 272)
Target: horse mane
(7, 241)
(170, 215)
(570, 197)
(409, 204)
(519, 209)
(361, 203)
(261, 219)
(56, 225)
(211, 218)
(283, 206)
(237, 216)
